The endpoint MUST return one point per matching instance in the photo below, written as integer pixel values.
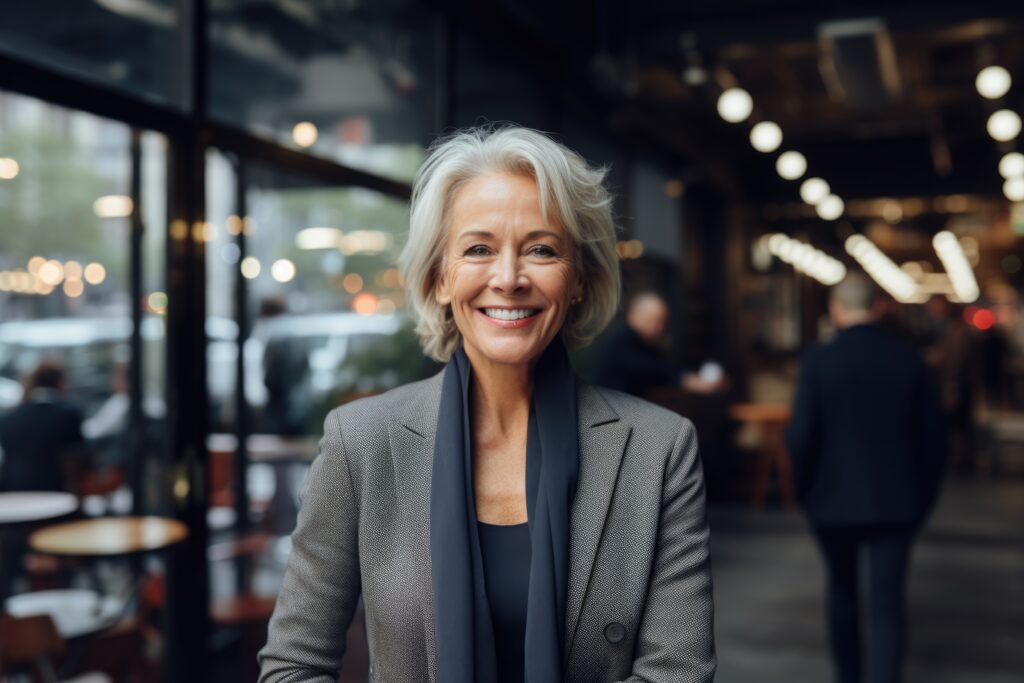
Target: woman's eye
(476, 250)
(542, 250)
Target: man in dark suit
(868, 445)
(632, 360)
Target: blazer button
(614, 632)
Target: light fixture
(73, 270)
(791, 165)
(1004, 125)
(830, 208)
(806, 259)
(813, 190)
(882, 270)
(95, 273)
(283, 270)
(993, 82)
(305, 134)
(735, 105)
(1012, 165)
(8, 168)
(1014, 189)
(961, 275)
(51, 272)
(766, 136)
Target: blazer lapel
(602, 441)
(412, 456)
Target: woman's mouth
(510, 314)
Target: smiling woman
(451, 504)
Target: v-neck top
(505, 550)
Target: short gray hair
(856, 292)
(570, 189)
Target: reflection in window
(353, 82)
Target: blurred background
(201, 203)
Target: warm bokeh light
(882, 270)
(630, 249)
(830, 208)
(73, 270)
(806, 259)
(1012, 165)
(365, 303)
(250, 267)
(305, 134)
(113, 206)
(1014, 189)
(1004, 125)
(353, 282)
(157, 302)
(993, 82)
(766, 136)
(35, 263)
(791, 165)
(961, 275)
(74, 288)
(364, 241)
(9, 168)
(95, 273)
(735, 105)
(318, 238)
(386, 307)
(233, 225)
(283, 270)
(51, 272)
(813, 190)
(390, 279)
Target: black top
(506, 558)
(866, 437)
(628, 363)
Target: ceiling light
(791, 165)
(882, 270)
(250, 267)
(766, 136)
(283, 270)
(1004, 125)
(993, 82)
(1014, 189)
(830, 208)
(813, 190)
(961, 275)
(1012, 165)
(735, 105)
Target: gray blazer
(639, 598)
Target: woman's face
(508, 270)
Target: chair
(31, 646)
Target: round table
(110, 536)
(19, 507)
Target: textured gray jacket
(639, 598)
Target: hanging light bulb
(735, 105)
(993, 82)
(1012, 165)
(830, 208)
(1004, 125)
(791, 165)
(766, 136)
(813, 190)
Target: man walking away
(868, 446)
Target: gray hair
(856, 292)
(570, 190)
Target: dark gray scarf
(465, 640)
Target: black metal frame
(189, 136)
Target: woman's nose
(508, 274)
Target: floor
(966, 592)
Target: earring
(576, 299)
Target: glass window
(352, 82)
(133, 45)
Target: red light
(984, 319)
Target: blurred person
(111, 419)
(42, 438)
(949, 352)
(633, 359)
(451, 504)
(285, 374)
(867, 445)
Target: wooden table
(772, 455)
(109, 536)
(75, 611)
(20, 507)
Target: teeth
(506, 314)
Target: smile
(510, 313)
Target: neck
(500, 394)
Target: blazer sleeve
(306, 636)
(676, 637)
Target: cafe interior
(201, 206)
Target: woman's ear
(441, 293)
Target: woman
(502, 520)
